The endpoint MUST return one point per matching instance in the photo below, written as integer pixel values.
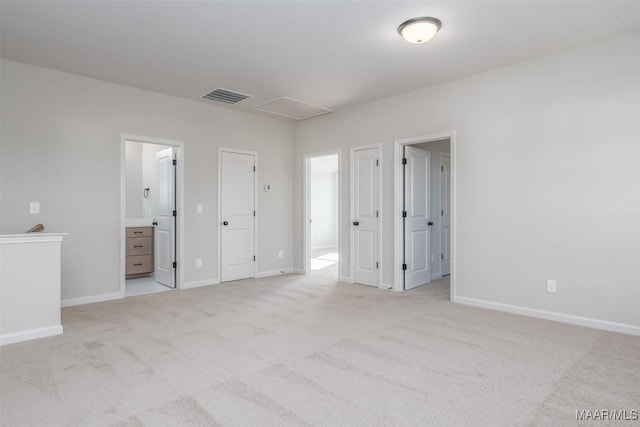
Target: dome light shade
(419, 30)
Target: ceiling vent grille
(226, 96)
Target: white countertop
(9, 239)
(138, 222)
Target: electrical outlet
(198, 262)
(280, 254)
(34, 208)
(552, 286)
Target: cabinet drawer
(139, 246)
(139, 264)
(139, 232)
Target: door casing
(398, 282)
(444, 204)
(179, 155)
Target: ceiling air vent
(226, 96)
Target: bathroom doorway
(150, 215)
(322, 212)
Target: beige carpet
(296, 350)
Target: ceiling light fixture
(419, 30)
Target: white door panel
(166, 223)
(365, 216)
(417, 233)
(445, 221)
(237, 209)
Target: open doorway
(322, 196)
(424, 223)
(149, 216)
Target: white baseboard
(386, 286)
(436, 276)
(30, 334)
(90, 300)
(550, 315)
(200, 283)
(346, 279)
(274, 273)
(298, 271)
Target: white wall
(133, 201)
(61, 146)
(324, 202)
(547, 177)
(141, 173)
(150, 178)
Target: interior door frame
(440, 227)
(306, 250)
(398, 282)
(179, 153)
(352, 209)
(255, 205)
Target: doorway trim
(440, 227)
(255, 204)
(352, 209)
(306, 250)
(179, 152)
(398, 198)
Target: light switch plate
(34, 208)
(198, 208)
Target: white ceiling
(327, 53)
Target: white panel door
(165, 248)
(445, 213)
(365, 216)
(417, 223)
(237, 208)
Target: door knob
(356, 223)
(154, 222)
(225, 222)
(430, 223)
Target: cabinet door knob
(356, 223)
(225, 222)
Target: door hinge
(175, 162)
(404, 267)
(441, 168)
(404, 161)
(442, 257)
(254, 213)
(175, 264)
(254, 257)
(377, 265)
(175, 213)
(404, 214)
(441, 212)
(377, 162)
(377, 214)
(254, 168)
